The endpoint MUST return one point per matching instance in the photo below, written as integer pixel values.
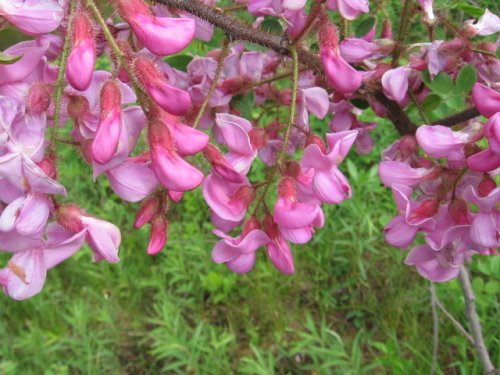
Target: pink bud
(68, 216)
(340, 75)
(386, 29)
(221, 166)
(170, 98)
(82, 57)
(38, 99)
(172, 171)
(161, 35)
(148, 209)
(158, 235)
(110, 123)
(48, 166)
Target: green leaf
(426, 78)
(442, 84)
(431, 103)
(179, 62)
(271, 24)
(466, 78)
(360, 103)
(365, 26)
(6, 59)
(470, 9)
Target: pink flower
(355, 50)
(486, 100)
(172, 170)
(32, 54)
(147, 211)
(26, 271)
(188, 141)
(108, 133)
(221, 166)
(239, 253)
(429, 16)
(173, 100)
(438, 266)
(340, 75)
(278, 250)
(103, 237)
(81, 60)
(329, 184)
(27, 214)
(32, 17)
(395, 172)
(488, 24)
(349, 9)
(161, 35)
(158, 234)
(395, 83)
(229, 201)
(440, 141)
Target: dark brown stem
(396, 114)
(458, 118)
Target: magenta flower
(396, 172)
(221, 166)
(33, 17)
(161, 35)
(173, 100)
(108, 132)
(158, 234)
(329, 184)
(349, 9)
(340, 75)
(486, 100)
(172, 170)
(81, 60)
(438, 266)
(239, 253)
(441, 141)
(278, 250)
(103, 237)
(188, 141)
(26, 271)
(395, 83)
(229, 201)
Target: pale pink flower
(349, 9)
(33, 17)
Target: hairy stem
(61, 83)
(213, 86)
(475, 324)
(403, 28)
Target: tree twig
(458, 118)
(475, 324)
(455, 322)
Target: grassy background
(351, 308)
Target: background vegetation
(351, 308)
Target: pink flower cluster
(450, 195)
(156, 132)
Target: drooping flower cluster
(146, 127)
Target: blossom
(32, 17)
(488, 24)
(349, 9)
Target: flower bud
(48, 166)
(148, 209)
(81, 60)
(158, 235)
(110, 123)
(38, 99)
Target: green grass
(351, 308)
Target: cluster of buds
(144, 125)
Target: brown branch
(235, 29)
(458, 118)
(475, 324)
(435, 330)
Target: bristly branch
(475, 324)
(458, 118)
(236, 29)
